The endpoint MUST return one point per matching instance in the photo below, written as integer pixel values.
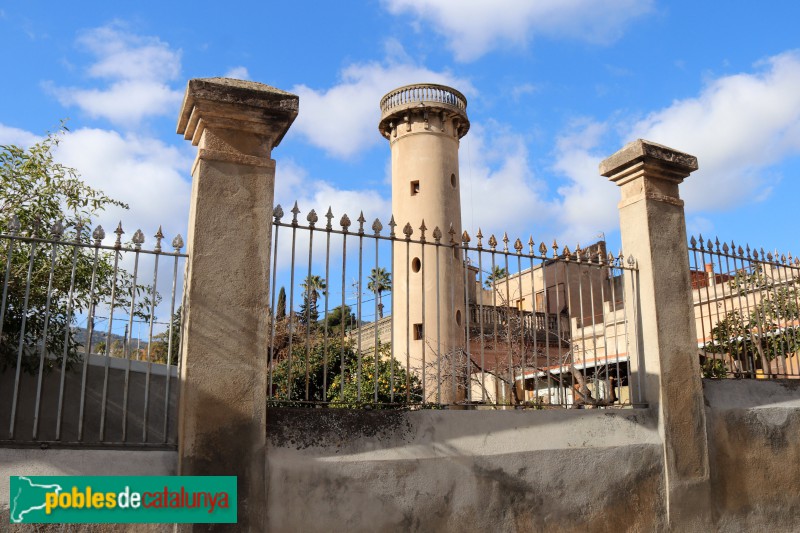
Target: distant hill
(82, 335)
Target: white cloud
(138, 70)
(238, 73)
(343, 120)
(473, 27)
(587, 203)
(738, 127)
(499, 192)
(20, 137)
(293, 184)
(149, 175)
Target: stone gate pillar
(665, 360)
(222, 415)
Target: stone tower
(423, 124)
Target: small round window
(416, 264)
(453, 180)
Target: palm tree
(378, 281)
(497, 274)
(313, 287)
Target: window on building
(414, 187)
(418, 332)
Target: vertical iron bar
(108, 347)
(507, 312)
(146, 410)
(424, 322)
(378, 282)
(127, 348)
(615, 322)
(274, 312)
(522, 342)
(21, 342)
(325, 318)
(343, 368)
(548, 332)
(68, 321)
(290, 312)
(408, 324)
(90, 334)
(467, 351)
(359, 315)
(480, 324)
(391, 320)
(309, 288)
(43, 349)
(438, 331)
(11, 240)
(168, 375)
(495, 313)
(535, 328)
(561, 394)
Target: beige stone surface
(423, 130)
(222, 415)
(664, 361)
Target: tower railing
(423, 92)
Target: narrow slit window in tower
(414, 187)
(417, 332)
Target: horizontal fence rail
(89, 337)
(364, 315)
(746, 310)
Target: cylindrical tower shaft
(423, 124)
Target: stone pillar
(667, 367)
(222, 415)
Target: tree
(47, 200)
(160, 346)
(280, 311)
(313, 286)
(338, 316)
(760, 334)
(318, 376)
(378, 281)
(494, 276)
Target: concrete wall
(561, 470)
(753, 432)
(51, 382)
(81, 462)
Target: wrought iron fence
(746, 310)
(86, 353)
(364, 315)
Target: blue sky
(554, 86)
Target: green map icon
(28, 497)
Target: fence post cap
(248, 105)
(640, 151)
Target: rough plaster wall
(753, 431)
(463, 471)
